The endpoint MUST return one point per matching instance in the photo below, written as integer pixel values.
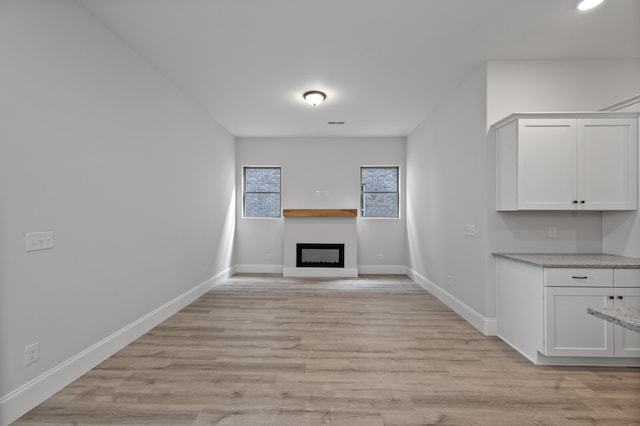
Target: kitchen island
(628, 318)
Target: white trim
(490, 326)
(487, 326)
(622, 104)
(320, 272)
(243, 192)
(539, 359)
(382, 269)
(533, 359)
(399, 191)
(584, 361)
(564, 114)
(248, 268)
(19, 401)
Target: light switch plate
(471, 229)
(39, 240)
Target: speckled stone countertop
(625, 317)
(573, 260)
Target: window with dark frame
(379, 192)
(261, 197)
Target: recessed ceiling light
(314, 97)
(588, 4)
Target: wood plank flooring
(264, 350)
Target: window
(379, 196)
(261, 192)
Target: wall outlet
(31, 353)
(317, 192)
(39, 240)
(552, 232)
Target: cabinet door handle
(575, 201)
(582, 201)
(620, 297)
(610, 297)
(579, 278)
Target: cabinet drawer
(578, 277)
(626, 277)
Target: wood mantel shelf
(320, 212)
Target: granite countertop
(573, 260)
(626, 317)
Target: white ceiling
(384, 64)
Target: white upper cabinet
(563, 161)
(607, 163)
(546, 164)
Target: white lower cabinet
(542, 312)
(570, 331)
(627, 342)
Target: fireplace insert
(319, 255)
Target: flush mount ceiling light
(314, 97)
(588, 4)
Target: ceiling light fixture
(588, 4)
(314, 97)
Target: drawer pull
(620, 297)
(580, 278)
(610, 297)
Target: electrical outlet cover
(31, 353)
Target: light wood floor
(372, 351)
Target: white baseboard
(487, 326)
(382, 269)
(248, 268)
(585, 361)
(21, 400)
(320, 272)
(530, 357)
(490, 326)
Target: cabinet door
(627, 342)
(607, 164)
(547, 164)
(569, 329)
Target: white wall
(308, 165)
(530, 86)
(445, 192)
(451, 176)
(136, 181)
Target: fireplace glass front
(319, 255)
